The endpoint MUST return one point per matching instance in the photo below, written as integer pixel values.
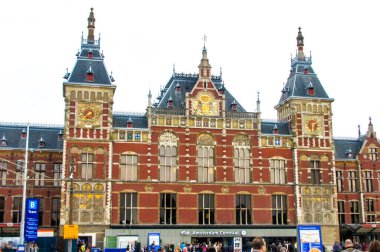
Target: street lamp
(71, 201)
(24, 181)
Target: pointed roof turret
(204, 66)
(91, 55)
(302, 81)
(91, 27)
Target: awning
(368, 228)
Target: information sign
(31, 219)
(309, 238)
(70, 232)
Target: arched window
(242, 151)
(277, 170)
(168, 157)
(87, 163)
(205, 158)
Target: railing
(168, 111)
(234, 114)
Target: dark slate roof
(296, 85)
(50, 134)
(120, 120)
(78, 74)
(187, 82)
(268, 126)
(344, 146)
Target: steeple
(300, 53)
(91, 27)
(204, 66)
(370, 131)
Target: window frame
(129, 162)
(168, 208)
(39, 173)
(315, 172)
(87, 165)
(128, 210)
(352, 181)
(243, 209)
(242, 167)
(206, 209)
(279, 209)
(278, 171)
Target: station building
(195, 166)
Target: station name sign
(213, 233)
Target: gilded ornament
(148, 188)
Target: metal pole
(24, 181)
(71, 201)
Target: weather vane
(204, 40)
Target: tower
(88, 92)
(305, 105)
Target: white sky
(251, 40)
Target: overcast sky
(252, 41)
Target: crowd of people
(353, 246)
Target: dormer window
(275, 129)
(170, 103)
(90, 74)
(204, 84)
(23, 134)
(3, 142)
(90, 54)
(177, 89)
(305, 70)
(234, 106)
(222, 89)
(60, 135)
(310, 89)
(349, 153)
(41, 143)
(129, 123)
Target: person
(374, 246)
(258, 245)
(337, 247)
(349, 246)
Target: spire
(173, 69)
(91, 27)
(300, 44)
(370, 132)
(359, 130)
(221, 73)
(204, 66)
(149, 98)
(258, 102)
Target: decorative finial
(258, 102)
(173, 69)
(370, 120)
(359, 130)
(204, 41)
(221, 74)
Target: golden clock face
(205, 105)
(88, 114)
(313, 125)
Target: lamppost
(24, 182)
(71, 200)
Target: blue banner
(31, 219)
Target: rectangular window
(354, 207)
(39, 174)
(205, 160)
(279, 210)
(168, 208)
(16, 209)
(243, 209)
(206, 209)
(277, 171)
(55, 211)
(339, 181)
(2, 209)
(368, 181)
(341, 212)
(41, 211)
(241, 165)
(19, 172)
(315, 172)
(3, 172)
(372, 154)
(128, 208)
(168, 163)
(87, 165)
(352, 181)
(370, 210)
(128, 167)
(57, 174)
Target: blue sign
(309, 238)
(31, 219)
(154, 241)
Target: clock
(313, 125)
(88, 114)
